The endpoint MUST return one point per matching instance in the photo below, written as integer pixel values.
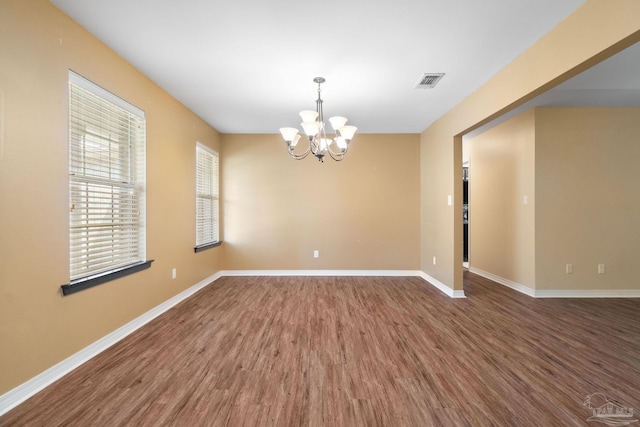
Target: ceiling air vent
(429, 80)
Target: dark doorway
(465, 213)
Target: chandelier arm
(341, 153)
(335, 156)
(299, 156)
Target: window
(206, 198)
(106, 185)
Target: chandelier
(314, 128)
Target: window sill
(207, 246)
(91, 281)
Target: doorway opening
(465, 214)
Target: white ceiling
(614, 82)
(247, 66)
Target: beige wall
(587, 210)
(501, 225)
(361, 213)
(584, 212)
(597, 30)
(39, 327)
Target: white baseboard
(583, 293)
(506, 282)
(320, 273)
(559, 293)
(444, 288)
(441, 286)
(14, 397)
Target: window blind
(206, 195)
(106, 180)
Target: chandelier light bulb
(289, 134)
(347, 132)
(309, 115)
(337, 122)
(341, 143)
(310, 128)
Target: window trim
(218, 242)
(98, 279)
(139, 262)
(207, 246)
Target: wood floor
(355, 351)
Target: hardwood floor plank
(351, 351)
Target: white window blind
(106, 180)
(206, 196)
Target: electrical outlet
(434, 260)
(173, 273)
(600, 268)
(316, 253)
(569, 268)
